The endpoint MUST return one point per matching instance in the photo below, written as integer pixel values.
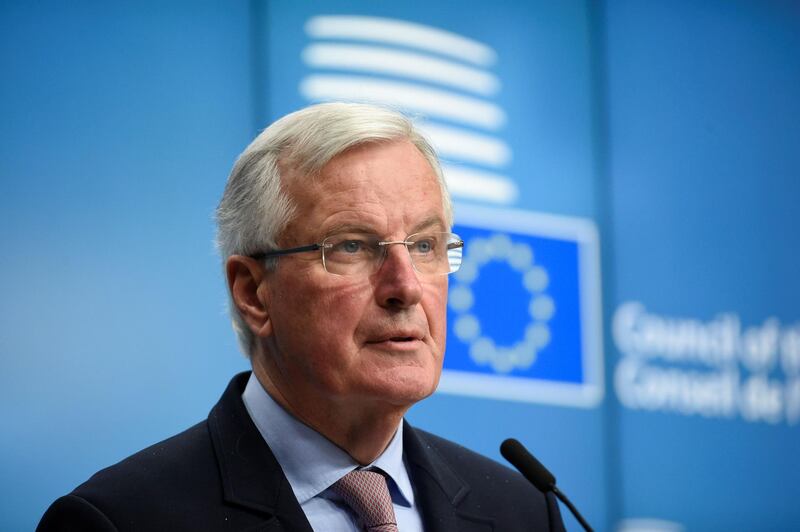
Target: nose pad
(400, 252)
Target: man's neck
(362, 431)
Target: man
(335, 234)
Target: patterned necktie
(367, 494)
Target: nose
(397, 283)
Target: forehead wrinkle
(351, 196)
(430, 222)
(360, 206)
(352, 214)
(349, 227)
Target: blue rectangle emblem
(524, 313)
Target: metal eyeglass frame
(459, 243)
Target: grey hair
(255, 207)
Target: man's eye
(424, 246)
(351, 246)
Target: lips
(395, 339)
(397, 336)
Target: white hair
(255, 207)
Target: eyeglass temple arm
(278, 252)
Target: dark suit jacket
(221, 475)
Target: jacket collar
(253, 479)
(251, 476)
(440, 491)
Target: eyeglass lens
(363, 253)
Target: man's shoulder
(176, 484)
(153, 485)
(183, 460)
(475, 469)
(484, 488)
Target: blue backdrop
(627, 172)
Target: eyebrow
(348, 227)
(429, 222)
(356, 227)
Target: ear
(249, 293)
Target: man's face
(347, 340)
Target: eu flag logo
(524, 309)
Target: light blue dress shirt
(312, 463)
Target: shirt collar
(311, 462)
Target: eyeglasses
(363, 253)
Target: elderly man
(335, 234)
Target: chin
(406, 388)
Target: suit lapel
(438, 490)
(251, 476)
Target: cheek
(436, 311)
(334, 314)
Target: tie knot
(367, 494)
